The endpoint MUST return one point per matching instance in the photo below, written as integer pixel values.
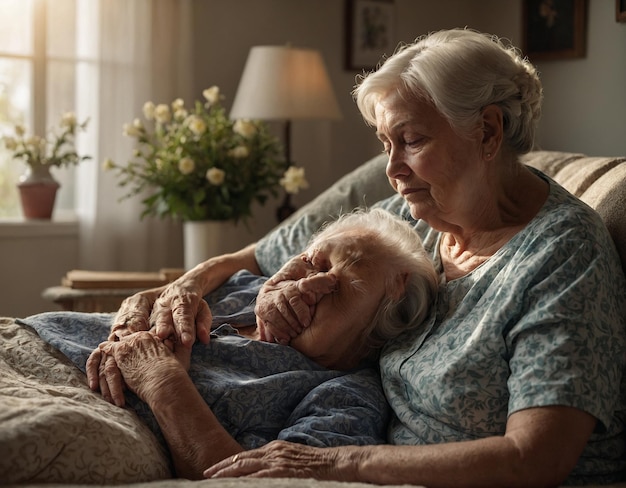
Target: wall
(34, 255)
(226, 29)
(584, 99)
(585, 107)
(584, 111)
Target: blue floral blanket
(258, 391)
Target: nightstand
(104, 291)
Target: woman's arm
(180, 311)
(195, 437)
(176, 311)
(540, 448)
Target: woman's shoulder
(564, 214)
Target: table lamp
(284, 83)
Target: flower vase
(38, 190)
(203, 239)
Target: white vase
(203, 239)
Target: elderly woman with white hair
(516, 378)
(323, 390)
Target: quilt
(54, 429)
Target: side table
(104, 291)
(88, 300)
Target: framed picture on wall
(554, 29)
(370, 32)
(620, 10)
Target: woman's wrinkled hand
(102, 372)
(181, 314)
(133, 314)
(145, 362)
(284, 307)
(281, 459)
(176, 313)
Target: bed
(53, 429)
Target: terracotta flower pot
(38, 190)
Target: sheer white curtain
(130, 52)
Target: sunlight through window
(37, 84)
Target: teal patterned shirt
(541, 323)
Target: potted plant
(37, 186)
(197, 165)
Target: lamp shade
(282, 83)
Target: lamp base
(286, 209)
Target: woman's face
(338, 324)
(435, 170)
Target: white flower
(20, 130)
(180, 114)
(215, 176)
(148, 110)
(162, 113)
(108, 164)
(68, 119)
(131, 130)
(186, 166)
(33, 141)
(212, 95)
(239, 152)
(178, 104)
(196, 125)
(244, 128)
(158, 162)
(10, 143)
(294, 180)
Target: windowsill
(63, 225)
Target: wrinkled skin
(146, 362)
(286, 303)
(280, 459)
(176, 313)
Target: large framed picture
(370, 32)
(555, 29)
(620, 10)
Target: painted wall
(584, 111)
(585, 106)
(225, 30)
(584, 99)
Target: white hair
(461, 71)
(410, 278)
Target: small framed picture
(620, 10)
(370, 33)
(554, 29)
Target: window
(37, 84)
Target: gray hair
(461, 71)
(398, 246)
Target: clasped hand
(176, 314)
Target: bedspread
(54, 429)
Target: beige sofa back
(598, 181)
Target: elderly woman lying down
(240, 392)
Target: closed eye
(359, 286)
